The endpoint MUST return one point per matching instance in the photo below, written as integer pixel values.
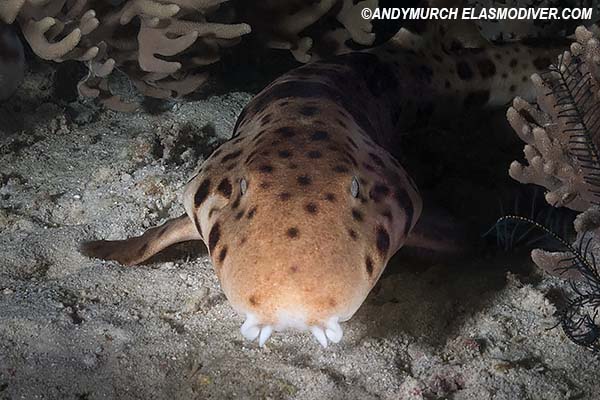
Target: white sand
(75, 328)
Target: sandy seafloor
(76, 328)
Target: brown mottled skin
(304, 206)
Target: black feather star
(573, 86)
(578, 318)
(573, 90)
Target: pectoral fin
(138, 249)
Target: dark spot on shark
(202, 192)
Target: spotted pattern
(222, 254)
(383, 241)
(214, 237)
(326, 204)
(369, 266)
(293, 233)
(304, 180)
(202, 193)
(225, 188)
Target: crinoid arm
(562, 131)
(579, 319)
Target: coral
(580, 316)
(561, 130)
(162, 46)
(166, 46)
(587, 226)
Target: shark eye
(243, 186)
(354, 187)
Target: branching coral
(561, 131)
(587, 226)
(579, 317)
(165, 46)
(562, 136)
(138, 36)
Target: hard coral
(563, 151)
(161, 45)
(164, 46)
(587, 226)
(561, 131)
(580, 317)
